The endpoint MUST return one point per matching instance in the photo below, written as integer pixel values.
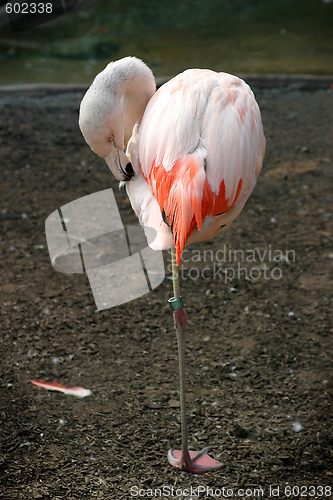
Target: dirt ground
(259, 351)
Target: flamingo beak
(119, 164)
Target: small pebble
(297, 427)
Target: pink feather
(80, 392)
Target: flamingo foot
(196, 462)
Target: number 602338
(29, 8)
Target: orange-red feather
(184, 218)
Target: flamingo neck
(132, 84)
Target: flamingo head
(101, 123)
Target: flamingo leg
(185, 459)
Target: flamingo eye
(111, 138)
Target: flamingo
(189, 156)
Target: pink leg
(185, 459)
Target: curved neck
(133, 84)
(133, 100)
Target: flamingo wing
(201, 150)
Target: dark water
(237, 36)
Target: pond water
(236, 36)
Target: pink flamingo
(189, 156)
